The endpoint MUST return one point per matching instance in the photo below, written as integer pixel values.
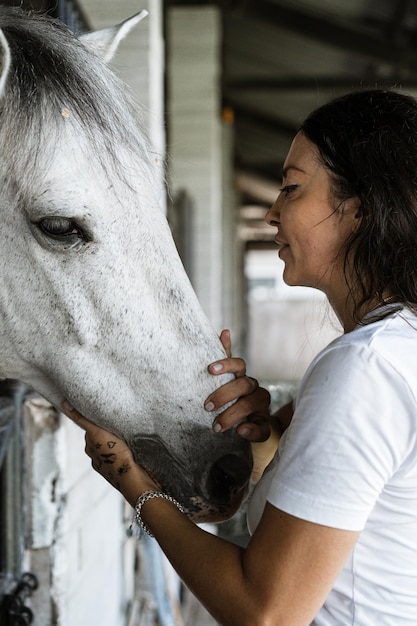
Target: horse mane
(54, 75)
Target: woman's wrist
(136, 483)
(145, 497)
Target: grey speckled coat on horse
(95, 306)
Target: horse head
(95, 306)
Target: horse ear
(5, 58)
(105, 42)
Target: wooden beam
(304, 83)
(353, 37)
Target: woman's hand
(112, 458)
(252, 403)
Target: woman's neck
(347, 314)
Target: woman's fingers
(76, 417)
(249, 413)
(102, 446)
(231, 391)
(256, 430)
(249, 403)
(246, 407)
(231, 365)
(226, 340)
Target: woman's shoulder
(391, 337)
(380, 355)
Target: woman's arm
(280, 579)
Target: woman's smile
(312, 226)
(281, 248)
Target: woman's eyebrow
(285, 170)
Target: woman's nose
(273, 216)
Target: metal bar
(6, 425)
(13, 488)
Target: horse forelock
(55, 79)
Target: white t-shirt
(349, 461)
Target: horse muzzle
(210, 489)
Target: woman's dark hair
(368, 142)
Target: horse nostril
(228, 473)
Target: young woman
(333, 521)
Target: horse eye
(62, 228)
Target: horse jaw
(105, 42)
(5, 60)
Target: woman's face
(311, 227)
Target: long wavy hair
(367, 140)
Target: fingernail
(67, 406)
(217, 367)
(245, 432)
(209, 406)
(217, 428)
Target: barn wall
(233, 305)
(75, 532)
(195, 145)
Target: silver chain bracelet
(148, 495)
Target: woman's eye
(287, 189)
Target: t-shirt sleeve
(348, 436)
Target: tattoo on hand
(109, 459)
(123, 469)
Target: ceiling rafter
(353, 37)
(263, 121)
(300, 83)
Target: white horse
(95, 306)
